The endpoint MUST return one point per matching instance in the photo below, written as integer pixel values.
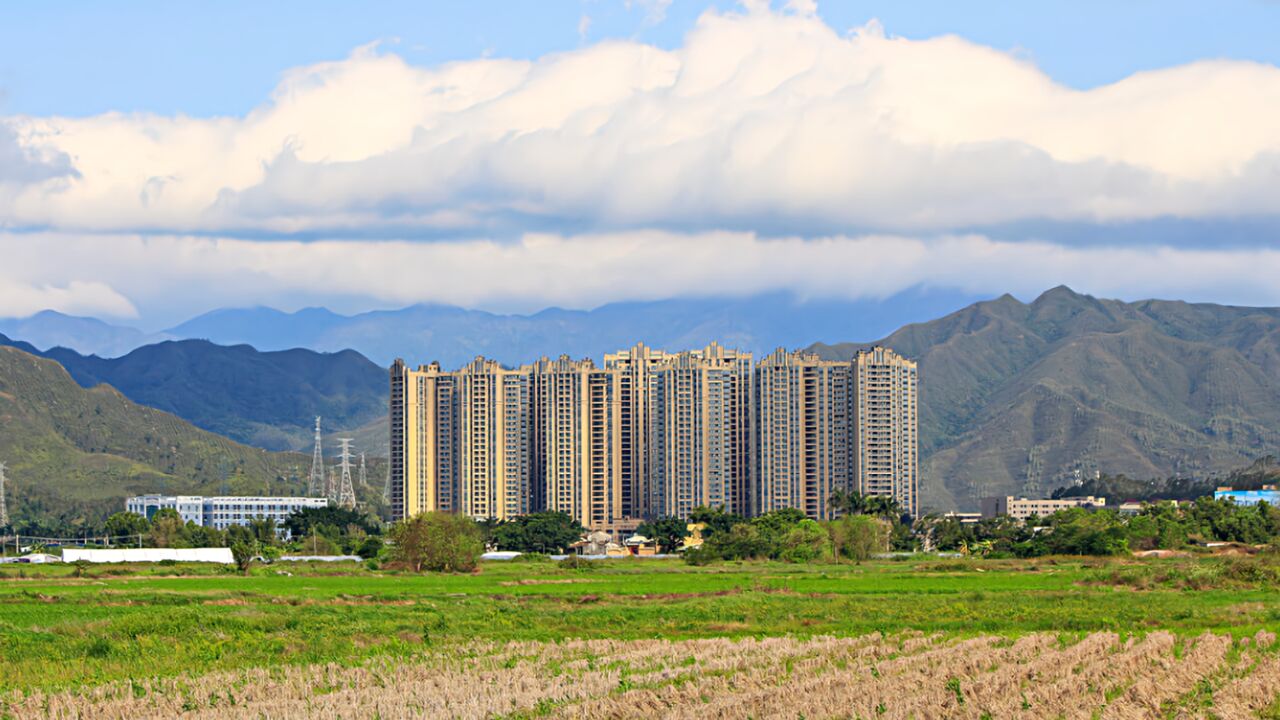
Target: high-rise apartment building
(884, 438)
(689, 417)
(652, 434)
(803, 405)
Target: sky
(158, 160)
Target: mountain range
(74, 453)
(1016, 398)
(1023, 398)
(455, 336)
(265, 399)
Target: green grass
(148, 622)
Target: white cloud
(592, 269)
(760, 119)
(75, 298)
(655, 11)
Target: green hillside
(1024, 398)
(76, 453)
(265, 399)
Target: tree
(540, 532)
(126, 526)
(264, 530)
(436, 541)
(370, 548)
(669, 531)
(715, 521)
(166, 529)
(806, 542)
(863, 536)
(243, 553)
(332, 521)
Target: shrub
(436, 541)
(858, 537)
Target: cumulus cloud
(22, 164)
(760, 119)
(591, 269)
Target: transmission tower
(386, 485)
(346, 493)
(364, 473)
(4, 509)
(316, 484)
(331, 484)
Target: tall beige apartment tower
(578, 467)
(803, 408)
(692, 421)
(886, 444)
(827, 425)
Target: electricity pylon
(346, 493)
(364, 474)
(316, 484)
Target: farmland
(647, 638)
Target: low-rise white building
(223, 512)
(222, 556)
(1023, 508)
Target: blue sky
(208, 58)
(158, 160)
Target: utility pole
(4, 508)
(316, 484)
(346, 493)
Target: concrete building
(1023, 508)
(651, 434)
(824, 425)
(687, 424)
(884, 433)
(222, 512)
(803, 432)
(1268, 494)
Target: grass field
(80, 638)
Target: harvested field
(906, 675)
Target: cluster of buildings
(652, 434)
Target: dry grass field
(905, 676)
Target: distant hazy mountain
(90, 336)
(265, 399)
(1023, 398)
(453, 336)
(75, 452)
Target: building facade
(1268, 494)
(223, 512)
(1023, 508)
(652, 434)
